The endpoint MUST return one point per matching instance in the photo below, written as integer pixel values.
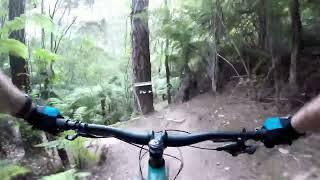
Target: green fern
(20, 22)
(45, 55)
(9, 170)
(43, 21)
(80, 154)
(71, 174)
(17, 23)
(13, 47)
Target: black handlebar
(188, 139)
(143, 138)
(105, 131)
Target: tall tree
(166, 60)
(295, 41)
(141, 55)
(273, 43)
(215, 32)
(262, 19)
(19, 66)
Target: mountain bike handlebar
(143, 138)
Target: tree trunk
(273, 42)
(141, 55)
(216, 32)
(43, 46)
(262, 17)
(166, 60)
(19, 66)
(275, 62)
(166, 63)
(296, 41)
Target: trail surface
(207, 112)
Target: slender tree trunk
(272, 23)
(103, 105)
(19, 66)
(216, 32)
(166, 60)
(141, 55)
(296, 41)
(166, 63)
(262, 17)
(43, 46)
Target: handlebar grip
(61, 124)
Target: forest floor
(208, 112)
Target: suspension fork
(156, 168)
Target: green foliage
(160, 85)
(85, 103)
(45, 55)
(71, 174)
(20, 22)
(43, 21)
(77, 148)
(17, 23)
(28, 134)
(9, 170)
(13, 47)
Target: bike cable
(141, 155)
(195, 147)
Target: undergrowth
(10, 170)
(71, 174)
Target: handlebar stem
(156, 148)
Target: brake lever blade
(82, 134)
(235, 149)
(72, 137)
(223, 140)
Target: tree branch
(55, 8)
(235, 70)
(235, 46)
(63, 34)
(63, 13)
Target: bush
(71, 174)
(79, 154)
(84, 104)
(9, 170)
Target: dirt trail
(207, 112)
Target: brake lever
(238, 148)
(72, 137)
(82, 134)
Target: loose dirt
(208, 112)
